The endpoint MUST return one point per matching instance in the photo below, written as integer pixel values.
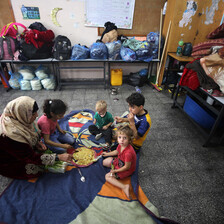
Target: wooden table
(180, 58)
(183, 60)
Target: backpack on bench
(62, 48)
(8, 40)
(8, 46)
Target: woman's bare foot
(126, 190)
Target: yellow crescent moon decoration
(54, 12)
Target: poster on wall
(190, 11)
(30, 12)
(120, 12)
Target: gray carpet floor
(184, 180)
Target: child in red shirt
(124, 164)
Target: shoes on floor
(98, 136)
(114, 91)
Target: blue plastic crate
(198, 114)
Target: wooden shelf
(180, 58)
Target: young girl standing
(48, 123)
(124, 164)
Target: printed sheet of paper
(120, 12)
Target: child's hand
(112, 171)
(67, 146)
(118, 119)
(65, 157)
(104, 154)
(41, 146)
(131, 117)
(105, 127)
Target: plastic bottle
(179, 48)
(137, 89)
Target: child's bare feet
(126, 190)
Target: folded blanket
(208, 44)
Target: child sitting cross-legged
(102, 123)
(122, 160)
(138, 119)
(48, 123)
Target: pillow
(217, 33)
(208, 44)
(200, 53)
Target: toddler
(102, 123)
(124, 164)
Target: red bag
(189, 78)
(11, 29)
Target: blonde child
(124, 164)
(102, 123)
(48, 123)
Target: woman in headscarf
(21, 151)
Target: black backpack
(62, 48)
(29, 51)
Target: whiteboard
(120, 12)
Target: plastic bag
(42, 72)
(144, 53)
(27, 72)
(49, 83)
(14, 80)
(98, 51)
(80, 52)
(132, 43)
(135, 79)
(127, 54)
(153, 39)
(25, 84)
(35, 84)
(114, 50)
(143, 72)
